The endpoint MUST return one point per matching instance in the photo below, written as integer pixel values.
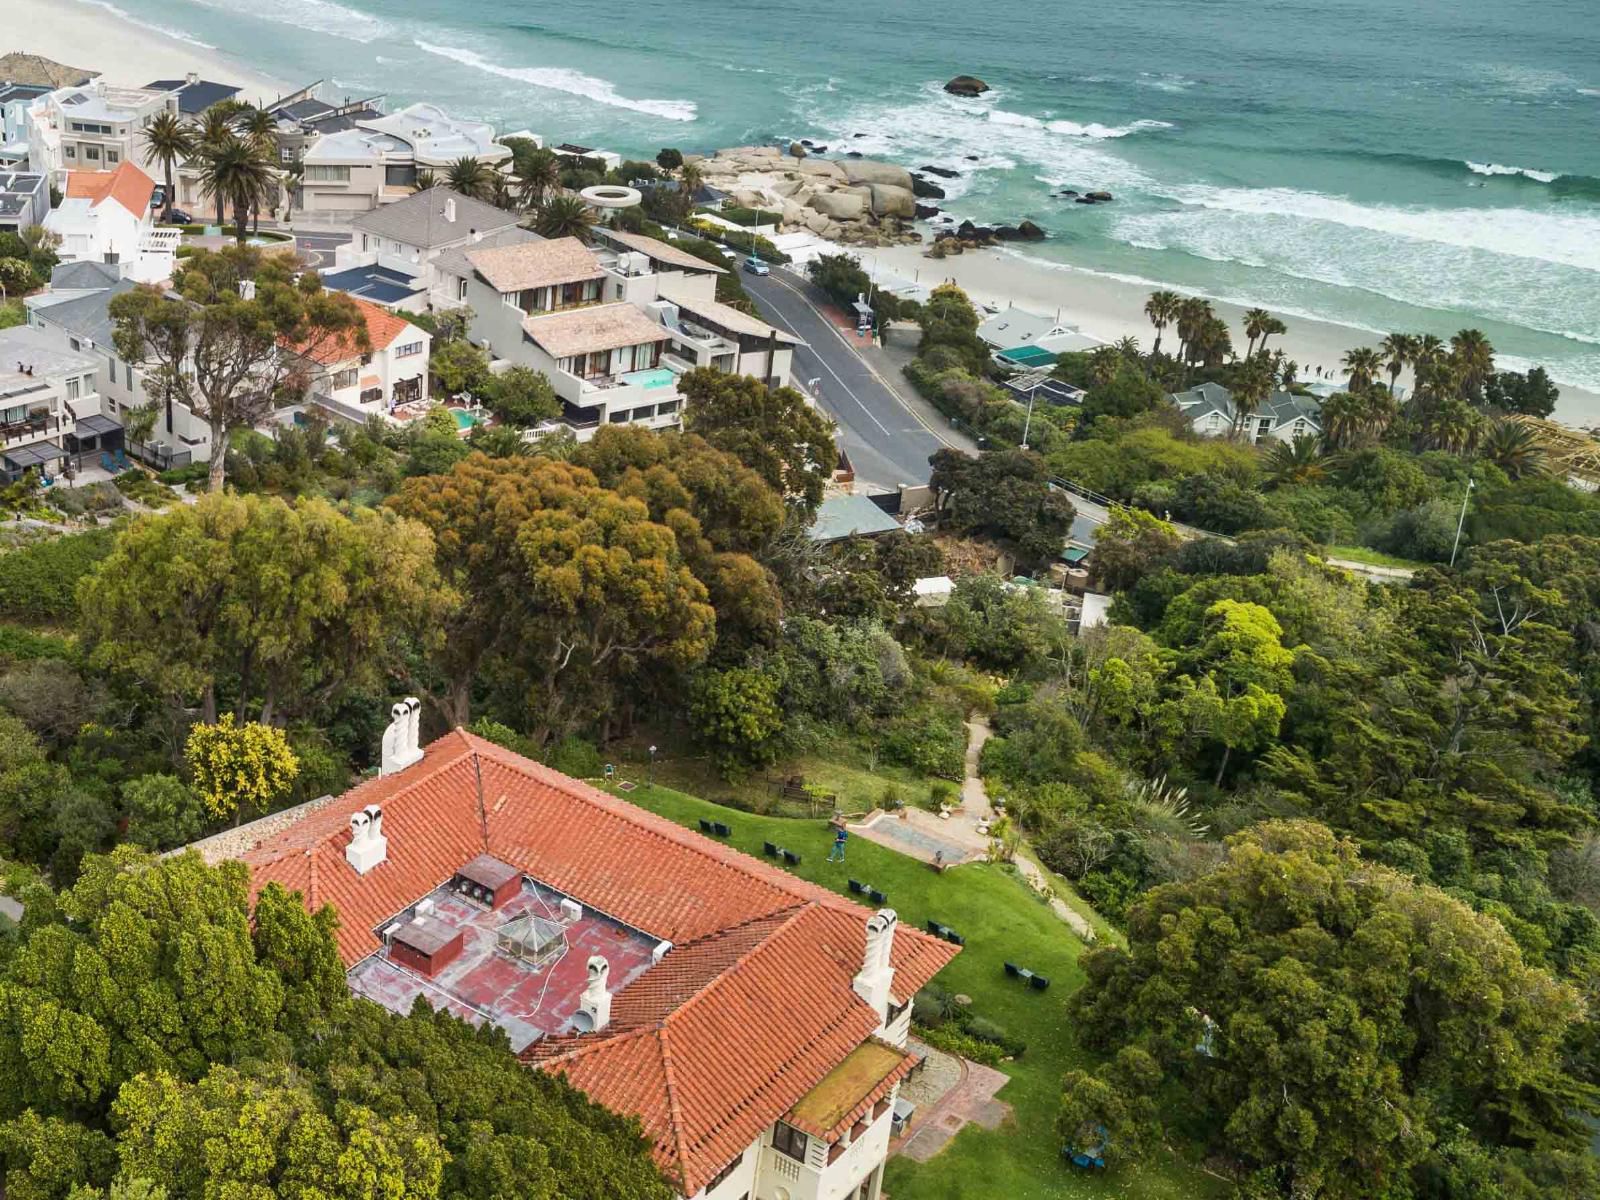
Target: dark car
(179, 217)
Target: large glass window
(788, 1140)
(325, 174)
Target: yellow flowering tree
(239, 766)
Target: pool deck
(926, 836)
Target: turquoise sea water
(1395, 164)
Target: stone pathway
(969, 1100)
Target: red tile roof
(750, 1010)
(127, 185)
(383, 327)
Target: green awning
(1074, 554)
(1028, 356)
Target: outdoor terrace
(528, 996)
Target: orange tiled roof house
(754, 1023)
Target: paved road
(319, 247)
(887, 440)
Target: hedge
(39, 581)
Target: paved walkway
(970, 1100)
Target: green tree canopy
(773, 431)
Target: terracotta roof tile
(127, 185)
(383, 327)
(750, 1010)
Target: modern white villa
(378, 159)
(105, 217)
(354, 383)
(43, 387)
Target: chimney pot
(594, 1007)
(400, 746)
(368, 847)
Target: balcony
(627, 390)
(20, 433)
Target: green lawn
(1372, 558)
(1001, 919)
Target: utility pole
(1462, 520)
(1028, 423)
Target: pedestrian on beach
(840, 836)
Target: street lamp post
(1028, 423)
(652, 765)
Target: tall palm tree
(1103, 363)
(1363, 364)
(1128, 348)
(1475, 358)
(1343, 421)
(564, 216)
(539, 173)
(1304, 460)
(1273, 326)
(169, 141)
(470, 177)
(1255, 326)
(1397, 350)
(692, 178)
(1451, 424)
(259, 129)
(1212, 343)
(1162, 309)
(237, 173)
(212, 132)
(1250, 391)
(1192, 315)
(1513, 447)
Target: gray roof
(87, 316)
(419, 219)
(1283, 407)
(454, 260)
(195, 97)
(847, 516)
(85, 274)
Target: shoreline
(123, 51)
(1108, 309)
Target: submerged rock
(925, 190)
(941, 172)
(966, 85)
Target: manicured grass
(859, 785)
(1373, 558)
(1002, 920)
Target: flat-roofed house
(754, 1024)
(43, 385)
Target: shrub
(953, 1041)
(178, 476)
(941, 793)
(987, 1031)
(576, 757)
(24, 645)
(927, 742)
(503, 735)
(100, 497)
(40, 581)
(136, 485)
(893, 797)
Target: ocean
(1417, 165)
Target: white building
(355, 383)
(755, 1024)
(105, 217)
(43, 387)
(24, 201)
(378, 160)
(95, 127)
(1026, 338)
(612, 326)
(15, 100)
(1284, 417)
(75, 315)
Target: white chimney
(400, 740)
(450, 209)
(193, 77)
(659, 952)
(872, 984)
(368, 847)
(594, 1008)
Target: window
(111, 370)
(644, 413)
(620, 417)
(75, 343)
(401, 176)
(111, 155)
(461, 289)
(74, 388)
(322, 174)
(667, 409)
(365, 243)
(722, 1175)
(69, 150)
(786, 1139)
(92, 153)
(88, 127)
(344, 379)
(408, 350)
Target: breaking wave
(564, 79)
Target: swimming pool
(464, 419)
(655, 377)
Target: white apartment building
(377, 162)
(613, 326)
(15, 100)
(95, 127)
(75, 315)
(105, 217)
(755, 1024)
(24, 200)
(354, 383)
(43, 387)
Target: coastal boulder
(818, 223)
(1100, 197)
(867, 171)
(816, 166)
(843, 206)
(794, 214)
(966, 85)
(797, 150)
(923, 190)
(924, 211)
(941, 172)
(785, 187)
(1027, 231)
(891, 201)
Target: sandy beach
(1110, 309)
(100, 39)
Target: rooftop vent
(450, 209)
(488, 880)
(594, 1008)
(571, 911)
(659, 952)
(368, 847)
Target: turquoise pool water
(655, 377)
(464, 419)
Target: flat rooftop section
(381, 285)
(843, 1088)
(486, 984)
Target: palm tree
(259, 128)
(564, 216)
(1397, 349)
(237, 173)
(1255, 326)
(425, 179)
(1343, 420)
(1475, 357)
(1452, 425)
(692, 178)
(1103, 363)
(1193, 313)
(1162, 309)
(502, 194)
(540, 174)
(1303, 460)
(290, 177)
(1128, 348)
(1273, 326)
(1363, 364)
(214, 131)
(169, 140)
(469, 177)
(1250, 392)
(1513, 447)
(1212, 343)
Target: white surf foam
(153, 27)
(1478, 168)
(1092, 130)
(313, 16)
(563, 79)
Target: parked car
(179, 217)
(158, 197)
(756, 267)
